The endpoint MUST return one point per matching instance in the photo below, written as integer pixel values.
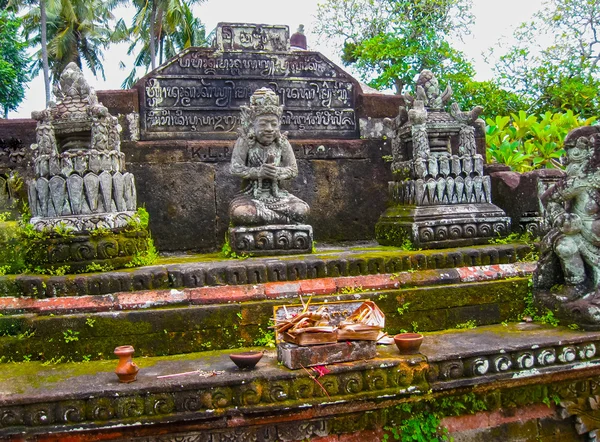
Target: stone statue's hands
(568, 223)
(268, 171)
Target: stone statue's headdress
(262, 102)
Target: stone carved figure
(568, 274)
(266, 218)
(263, 156)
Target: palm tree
(40, 20)
(175, 28)
(80, 33)
(69, 30)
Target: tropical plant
(561, 75)
(78, 31)
(40, 20)
(391, 41)
(13, 63)
(173, 26)
(526, 142)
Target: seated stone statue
(263, 156)
(568, 274)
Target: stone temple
(260, 142)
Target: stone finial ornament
(262, 157)
(567, 279)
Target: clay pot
(246, 360)
(126, 370)
(408, 343)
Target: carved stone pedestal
(441, 226)
(110, 249)
(277, 239)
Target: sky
(494, 19)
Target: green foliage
(70, 336)
(494, 98)
(526, 142)
(391, 41)
(227, 251)
(403, 308)
(526, 238)
(13, 63)
(266, 339)
(77, 31)
(562, 75)
(422, 427)
(175, 26)
(351, 289)
(543, 316)
(145, 257)
(467, 325)
(420, 421)
(95, 268)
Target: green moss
(392, 234)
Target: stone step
(231, 317)
(201, 271)
(491, 369)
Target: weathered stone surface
(246, 36)
(200, 274)
(340, 405)
(295, 357)
(440, 196)
(180, 199)
(263, 157)
(518, 195)
(332, 190)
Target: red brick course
(274, 290)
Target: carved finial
(427, 90)
(72, 84)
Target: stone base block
(441, 226)
(77, 251)
(276, 239)
(294, 357)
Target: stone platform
(538, 382)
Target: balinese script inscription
(242, 36)
(198, 94)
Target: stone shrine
(439, 195)
(266, 218)
(567, 278)
(80, 182)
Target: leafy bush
(526, 142)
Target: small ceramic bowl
(408, 343)
(246, 360)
